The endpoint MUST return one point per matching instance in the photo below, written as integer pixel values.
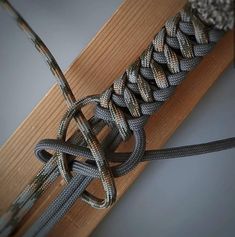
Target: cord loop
(92, 142)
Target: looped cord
(124, 107)
(96, 150)
(146, 84)
(81, 122)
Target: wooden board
(118, 43)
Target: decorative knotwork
(125, 107)
(136, 94)
(174, 51)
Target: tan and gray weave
(125, 107)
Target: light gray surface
(183, 197)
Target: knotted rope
(142, 89)
(125, 107)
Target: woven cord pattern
(146, 84)
(125, 107)
(150, 80)
(133, 97)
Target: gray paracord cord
(125, 107)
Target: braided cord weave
(151, 79)
(125, 107)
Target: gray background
(183, 197)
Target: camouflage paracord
(125, 106)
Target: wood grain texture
(118, 43)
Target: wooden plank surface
(118, 43)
